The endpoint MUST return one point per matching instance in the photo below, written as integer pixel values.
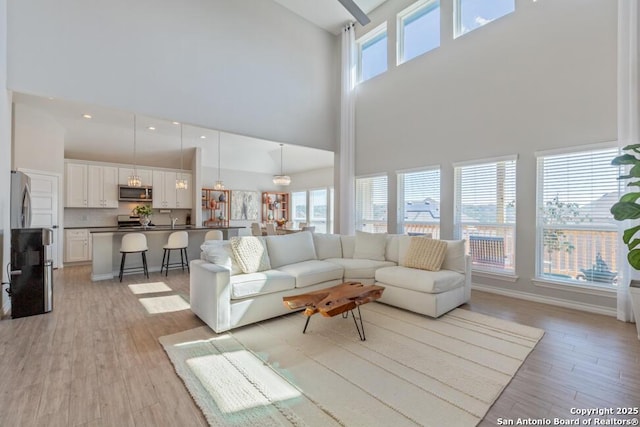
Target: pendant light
(134, 179)
(181, 181)
(281, 179)
(219, 185)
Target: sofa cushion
(327, 245)
(360, 268)
(250, 253)
(391, 252)
(455, 258)
(290, 248)
(426, 253)
(219, 252)
(309, 273)
(432, 282)
(348, 246)
(370, 245)
(263, 282)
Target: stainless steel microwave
(135, 194)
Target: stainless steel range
(128, 221)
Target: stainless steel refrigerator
(31, 281)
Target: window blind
(577, 235)
(371, 204)
(485, 217)
(419, 201)
(298, 207)
(318, 209)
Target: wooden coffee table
(339, 299)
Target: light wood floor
(96, 361)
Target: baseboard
(559, 302)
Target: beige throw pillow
(251, 253)
(426, 253)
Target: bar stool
(213, 235)
(134, 243)
(177, 240)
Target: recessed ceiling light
(176, 123)
(151, 128)
(87, 116)
(203, 137)
(51, 98)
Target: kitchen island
(106, 247)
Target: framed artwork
(245, 205)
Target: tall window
(318, 212)
(419, 201)
(298, 207)
(485, 213)
(472, 14)
(418, 29)
(577, 235)
(371, 204)
(372, 53)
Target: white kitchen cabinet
(184, 200)
(76, 185)
(77, 245)
(146, 176)
(102, 186)
(164, 189)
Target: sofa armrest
(467, 278)
(210, 294)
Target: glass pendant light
(219, 185)
(281, 179)
(181, 181)
(134, 179)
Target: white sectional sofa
(225, 298)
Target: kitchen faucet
(173, 222)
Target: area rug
(411, 370)
(149, 288)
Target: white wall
(543, 77)
(5, 158)
(38, 141)
(309, 180)
(244, 66)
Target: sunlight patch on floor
(149, 288)
(155, 305)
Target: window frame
(540, 278)
(400, 178)
(457, 19)
(458, 224)
(371, 38)
(358, 220)
(415, 9)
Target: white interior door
(44, 208)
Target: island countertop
(140, 228)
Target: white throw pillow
(251, 253)
(455, 260)
(370, 246)
(219, 252)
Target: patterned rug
(411, 370)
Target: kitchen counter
(106, 244)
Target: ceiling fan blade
(357, 13)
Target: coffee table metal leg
(360, 334)
(306, 324)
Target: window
(418, 29)
(318, 210)
(472, 14)
(372, 53)
(577, 235)
(298, 207)
(371, 204)
(419, 201)
(485, 213)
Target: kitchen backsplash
(86, 217)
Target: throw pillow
(426, 253)
(251, 253)
(219, 252)
(370, 246)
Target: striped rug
(411, 370)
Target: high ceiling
(108, 137)
(327, 14)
